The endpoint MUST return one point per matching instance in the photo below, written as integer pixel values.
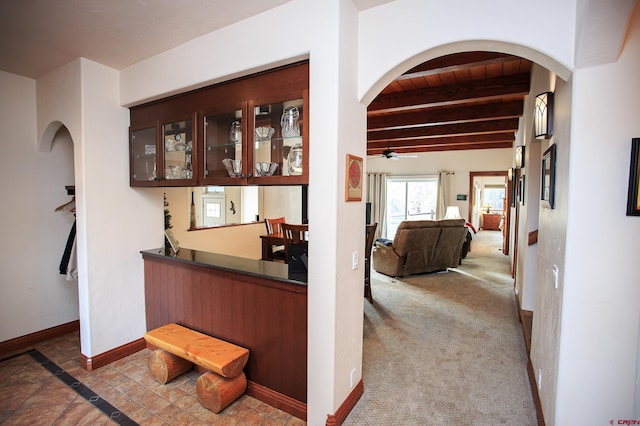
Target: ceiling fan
(392, 155)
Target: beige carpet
(446, 348)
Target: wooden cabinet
(491, 222)
(260, 312)
(252, 130)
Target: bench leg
(215, 392)
(165, 366)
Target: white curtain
(441, 205)
(377, 196)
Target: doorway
(487, 209)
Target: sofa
(421, 246)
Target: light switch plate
(354, 264)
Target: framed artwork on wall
(548, 190)
(521, 189)
(633, 196)
(353, 184)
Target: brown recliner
(421, 246)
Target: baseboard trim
(23, 342)
(534, 391)
(347, 405)
(277, 400)
(112, 355)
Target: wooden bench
(180, 347)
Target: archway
(427, 55)
(59, 146)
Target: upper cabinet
(252, 130)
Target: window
(494, 198)
(412, 198)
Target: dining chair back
(274, 225)
(293, 234)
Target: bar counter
(258, 268)
(251, 303)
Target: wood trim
(277, 400)
(23, 342)
(532, 237)
(112, 355)
(347, 405)
(534, 391)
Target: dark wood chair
(293, 234)
(369, 238)
(274, 227)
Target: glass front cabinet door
(279, 151)
(224, 141)
(178, 153)
(249, 131)
(144, 157)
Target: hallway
(446, 348)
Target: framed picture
(521, 183)
(353, 185)
(520, 157)
(633, 196)
(548, 190)
(168, 233)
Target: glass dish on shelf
(234, 167)
(264, 133)
(264, 168)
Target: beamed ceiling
(471, 100)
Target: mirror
(215, 206)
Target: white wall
(401, 34)
(114, 222)
(601, 294)
(526, 272)
(458, 162)
(390, 39)
(34, 295)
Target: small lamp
(453, 212)
(543, 116)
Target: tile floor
(31, 395)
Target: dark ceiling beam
(494, 110)
(417, 142)
(446, 147)
(457, 62)
(476, 127)
(488, 89)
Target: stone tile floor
(31, 395)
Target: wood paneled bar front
(251, 303)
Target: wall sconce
(543, 116)
(520, 156)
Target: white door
(213, 212)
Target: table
(491, 222)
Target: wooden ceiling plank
(474, 127)
(456, 62)
(495, 110)
(447, 147)
(447, 95)
(481, 138)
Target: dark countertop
(258, 268)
